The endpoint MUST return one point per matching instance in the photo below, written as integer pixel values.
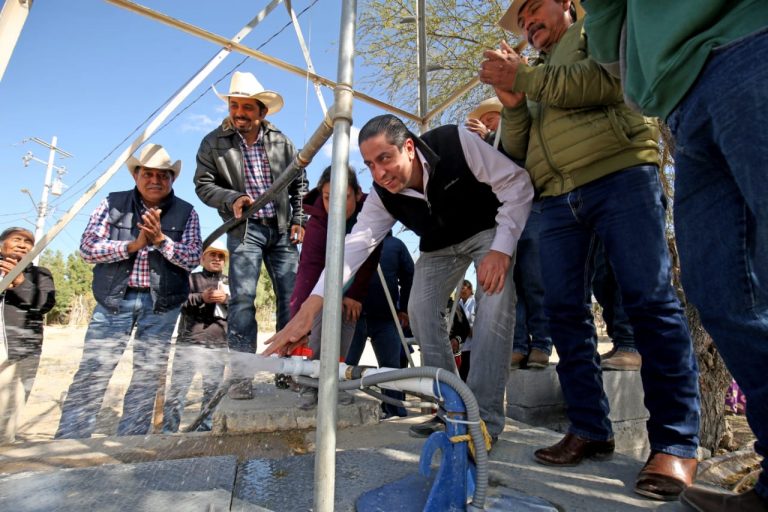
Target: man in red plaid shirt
(144, 243)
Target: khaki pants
(16, 381)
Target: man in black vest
(419, 181)
(144, 243)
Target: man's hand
(151, 227)
(139, 243)
(352, 309)
(297, 234)
(499, 68)
(477, 126)
(294, 334)
(214, 296)
(240, 204)
(6, 265)
(404, 320)
(509, 99)
(492, 271)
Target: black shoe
(427, 428)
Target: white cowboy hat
(218, 247)
(154, 156)
(245, 85)
(509, 20)
(485, 106)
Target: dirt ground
(61, 355)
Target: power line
(71, 189)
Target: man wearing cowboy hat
(594, 164)
(484, 120)
(203, 325)
(144, 243)
(236, 163)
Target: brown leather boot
(665, 476)
(572, 449)
(622, 360)
(538, 359)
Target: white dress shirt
(509, 182)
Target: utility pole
(42, 207)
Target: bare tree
(458, 31)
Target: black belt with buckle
(270, 222)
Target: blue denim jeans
(188, 360)
(606, 291)
(281, 259)
(436, 274)
(386, 345)
(625, 210)
(721, 215)
(531, 325)
(105, 341)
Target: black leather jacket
(220, 180)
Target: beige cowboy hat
(485, 106)
(245, 85)
(217, 246)
(154, 156)
(509, 20)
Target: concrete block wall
(534, 397)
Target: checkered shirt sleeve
(258, 175)
(96, 247)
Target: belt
(270, 222)
(138, 290)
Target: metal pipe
(421, 45)
(394, 315)
(305, 52)
(12, 18)
(325, 456)
(215, 38)
(172, 104)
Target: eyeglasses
(217, 255)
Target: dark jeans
(386, 345)
(531, 324)
(606, 291)
(721, 215)
(625, 210)
(281, 258)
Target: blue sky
(90, 73)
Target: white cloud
(198, 123)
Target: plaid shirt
(258, 175)
(96, 247)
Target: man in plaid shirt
(144, 243)
(236, 163)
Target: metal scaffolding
(341, 117)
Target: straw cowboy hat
(509, 20)
(485, 106)
(217, 246)
(154, 156)
(245, 85)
